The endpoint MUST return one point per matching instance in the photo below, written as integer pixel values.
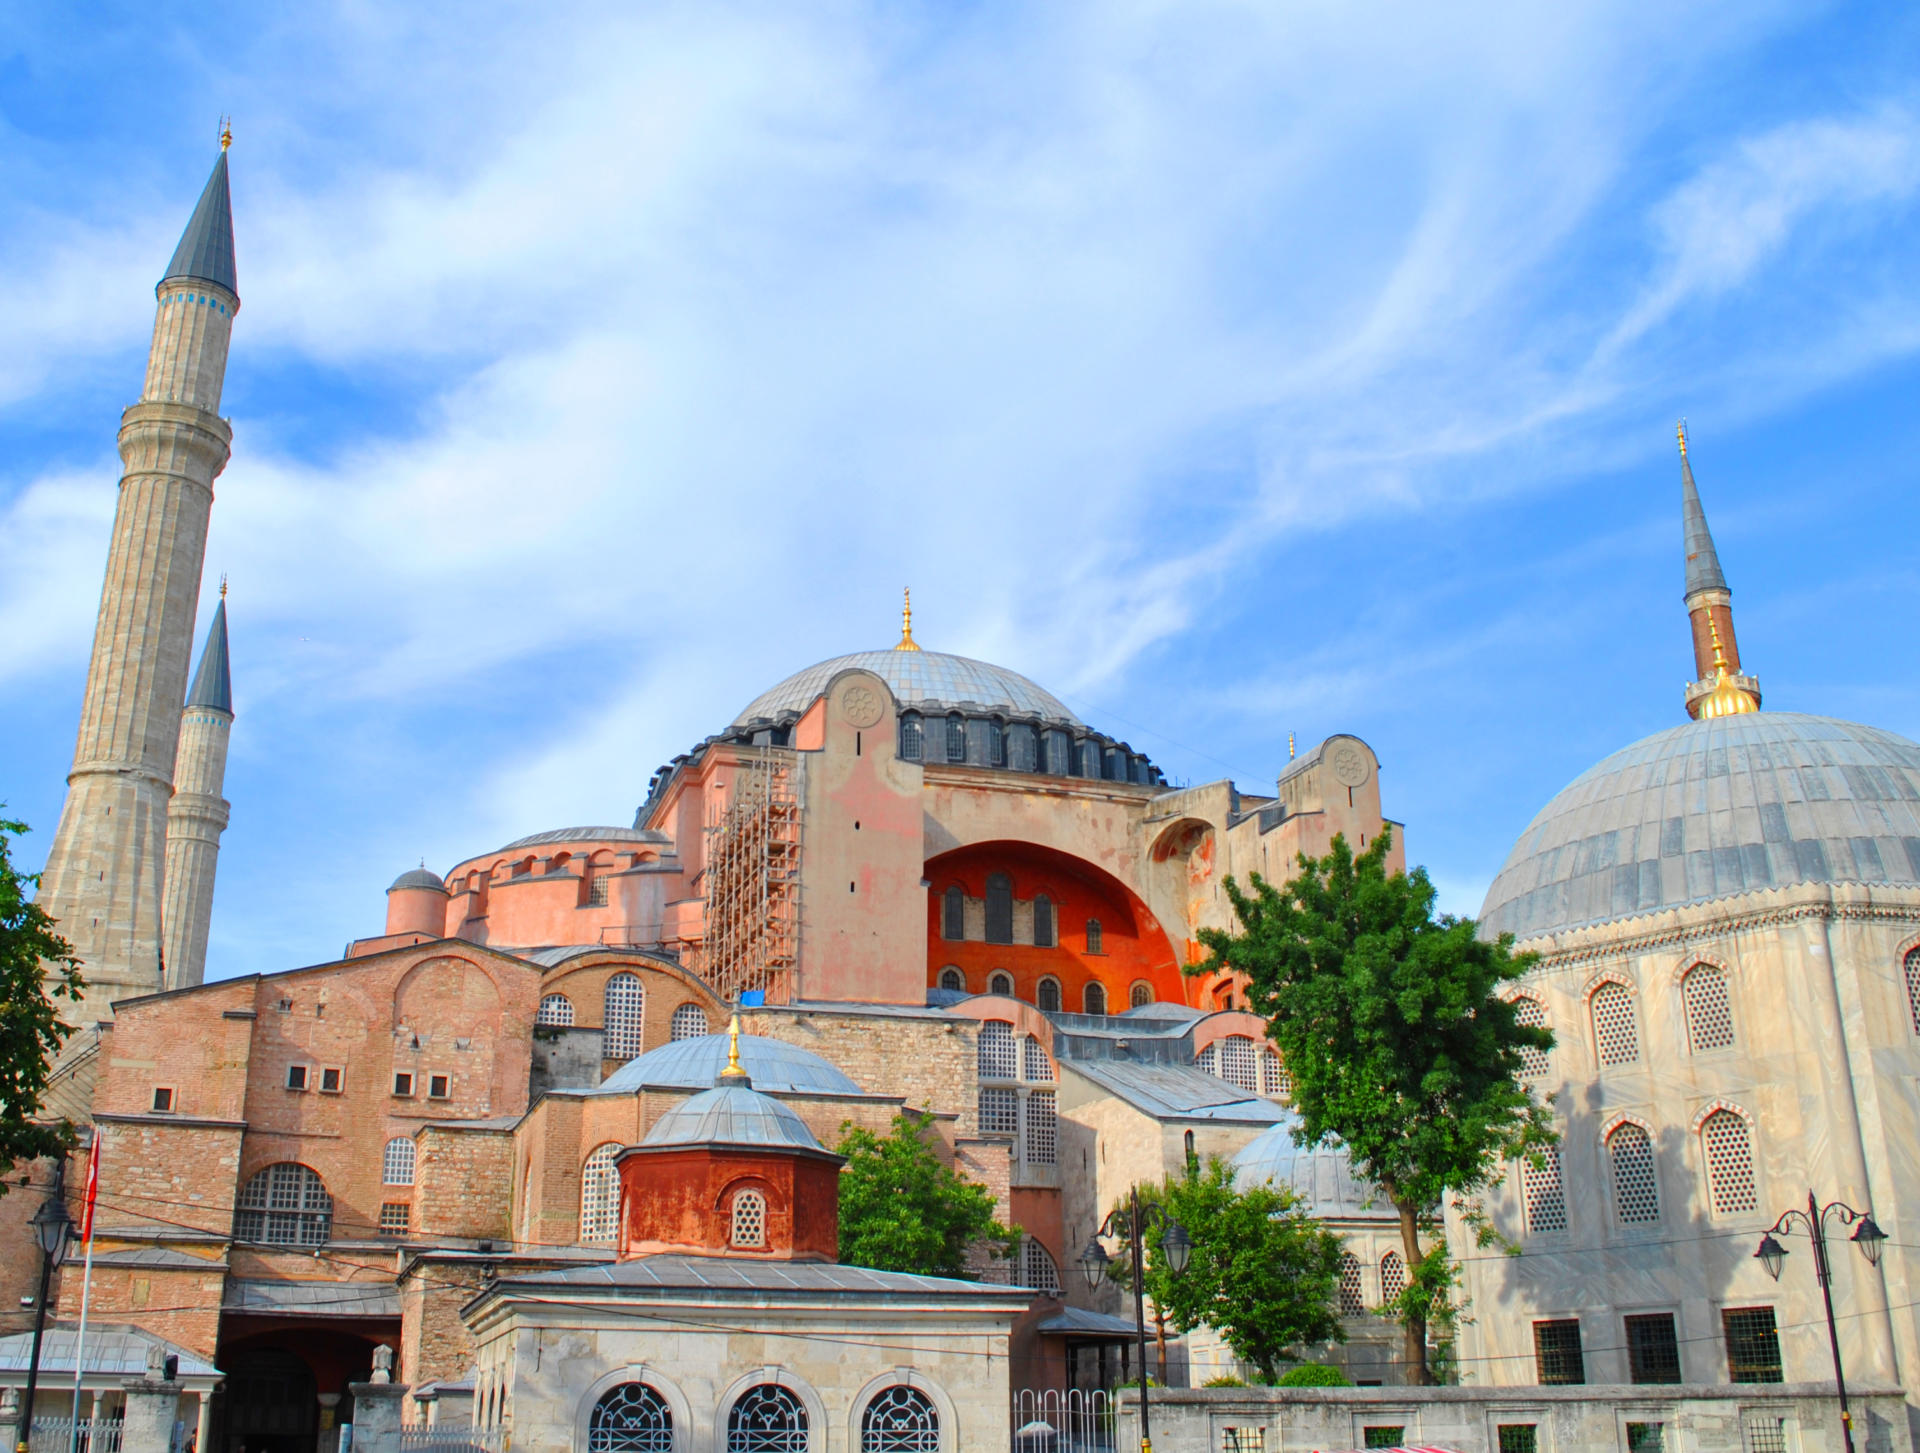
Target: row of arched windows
(623, 1020)
(1254, 1068)
(766, 1418)
(1018, 747)
(998, 926)
(1047, 995)
(1706, 1001)
(1726, 1154)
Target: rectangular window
(1387, 1435)
(999, 1112)
(394, 1218)
(1243, 1440)
(1646, 1437)
(162, 1100)
(1653, 1348)
(1753, 1344)
(330, 1081)
(403, 1083)
(1519, 1438)
(1556, 1353)
(1766, 1434)
(296, 1077)
(436, 1087)
(597, 892)
(1043, 1134)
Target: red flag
(93, 1189)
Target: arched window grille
(900, 1420)
(689, 1022)
(1093, 937)
(555, 1009)
(1096, 998)
(285, 1204)
(953, 913)
(1636, 1189)
(749, 1219)
(600, 1194)
(1353, 1299)
(1532, 1013)
(1035, 1062)
(396, 1163)
(1393, 1278)
(1729, 1149)
(1000, 982)
(1913, 987)
(767, 1419)
(631, 1418)
(1545, 1197)
(1709, 1009)
(1208, 1060)
(998, 1053)
(1042, 921)
(956, 738)
(999, 908)
(910, 737)
(1274, 1079)
(1037, 1268)
(952, 978)
(1239, 1063)
(1046, 994)
(625, 1007)
(1140, 995)
(1616, 1027)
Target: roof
(587, 835)
(732, 1114)
(418, 878)
(112, 1351)
(1711, 809)
(1177, 1092)
(312, 1298)
(213, 682)
(1079, 1322)
(1322, 1175)
(1703, 561)
(919, 679)
(694, 1064)
(205, 252)
(723, 1274)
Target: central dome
(925, 680)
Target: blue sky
(1230, 369)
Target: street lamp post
(1131, 1222)
(1866, 1235)
(50, 1226)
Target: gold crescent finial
(907, 643)
(1289, 746)
(733, 1070)
(226, 132)
(1682, 432)
(223, 585)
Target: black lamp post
(1866, 1235)
(1131, 1222)
(51, 1223)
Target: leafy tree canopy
(901, 1209)
(37, 967)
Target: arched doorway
(271, 1401)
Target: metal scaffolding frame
(752, 876)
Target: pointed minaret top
(213, 682)
(907, 642)
(1703, 564)
(205, 252)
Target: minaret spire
(1709, 602)
(198, 814)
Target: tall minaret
(1716, 652)
(102, 880)
(198, 813)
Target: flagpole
(86, 1287)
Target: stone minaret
(102, 880)
(198, 813)
(1716, 652)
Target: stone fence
(1799, 1417)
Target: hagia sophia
(558, 1133)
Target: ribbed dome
(731, 1115)
(1322, 1177)
(1711, 809)
(418, 878)
(694, 1064)
(927, 680)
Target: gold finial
(223, 585)
(1726, 699)
(907, 643)
(1682, 432)
(226, 132)
(733, 1070)
(1289, 746)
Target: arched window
(1095, 998)
(1353, 1299)
(1037, 1268)
(1046, 994)
(600, 1194)
(1140, 995)
(626, 1005)
(631, 1418)
(1709, 1011)
(1093, 937)
(910, 735)
(1616, 1028)
(396, 1164)
(1541, 1190)
(1042, 921)
(1000, 982)
(1035, 1062)
(1729, 1150)
(1393, 1278)
(952, 978)
(1239, 1063)
(767, 1419)
(1274, 1079)
(900, 1420)
(956, 738)
(1913, 987)
(1208, 1060)
(555, 1009)
(1636, 1190)
(689, 1022)
(749, 1224)
(285, 1205)
(1531, 1012)
(999, 908)
(998, 1053)
(953, 913)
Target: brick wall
(463, 1182)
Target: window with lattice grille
(956, 738)
(396, 1164)
(286, 1204)
(900, 1420)
(767, 1419)
(951, 978)
(1766, 1434)
(1636, 1191)
(1653, 1348)
(999, 1111)
(1095, 998)
(626, 1008)
(1753, 1344)
(1240, 1063)
(1352, 1296)
(1913, 987)
(1616, 1027)
(1274, 1079)
(1532, 1013)
(1729, 1153)
(1000, 984)
(555, 1009)
(1557, 1356)
(749, 1219)
(394, 1218)
(1519, 1438)
(1042, 1128)
(1709, 1011)
(1037, 1268)
(600, 1195)
(910, 736)
(1393, 1278)
(598, 888)
(998, 1053)
(1094, 940)
(631, 1418)
(1046, 995)
(1035, 1062)
(1543, 1193)
(1139, 996)
(689, 1022)
(1208, 1059)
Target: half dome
(694, 1064)
(923, 680)
(1321, 1176)
(1712, 809)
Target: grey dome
(920, 679)
(731, 1115)
(418, 878)
(694, 1064)
(1711, 809)
(1322, 1176)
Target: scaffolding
(752, 877)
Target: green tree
(37, 967)
(1262, 1271)
(902, 1210)
(1400, 1041)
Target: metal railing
(451, 1438)
(54, 1434)
(1062, 1420)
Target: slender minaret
(1716, 653)
(102, 880)
(198, 813)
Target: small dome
(731, 1115)
(418, 878)
(1322, 1176)
(694, 1064)
(923, 680)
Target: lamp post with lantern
(1866, 1235)
(1131, 1223)
(51, 1223)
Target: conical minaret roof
(205, 252)
(213, 682)
(1703, 563)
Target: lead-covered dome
(694, 1064)
(1321, 1176)
(731, 1115)
(1711, 809)
(925, 680)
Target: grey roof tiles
(920, 679)
(694, 1064)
